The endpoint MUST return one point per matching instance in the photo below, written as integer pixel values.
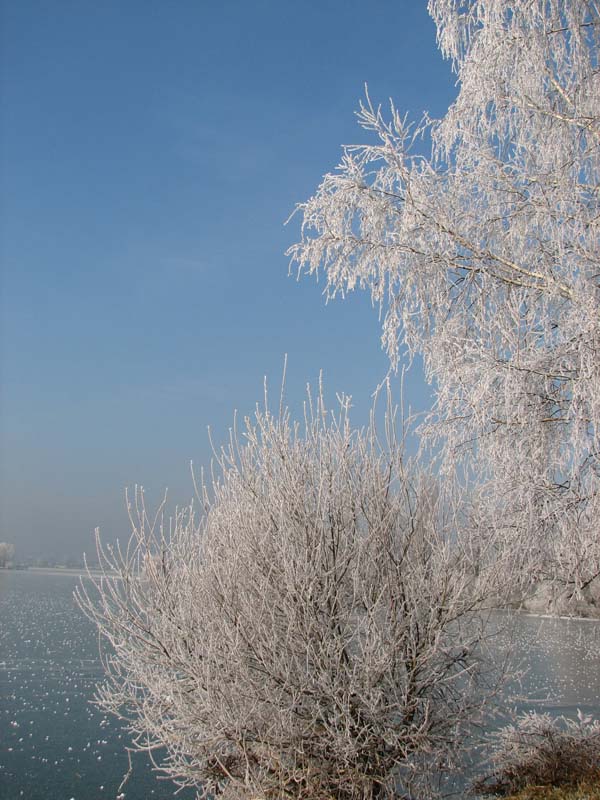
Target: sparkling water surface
(55, 745)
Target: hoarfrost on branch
(484, 258)
(319, 630)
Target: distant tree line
(7, 552)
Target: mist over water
(54, 744)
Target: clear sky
(150, 153)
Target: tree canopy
(485, 259)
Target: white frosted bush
(310, 633)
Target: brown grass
(584, 791)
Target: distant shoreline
(73, 572)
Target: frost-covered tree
(485, 258)
(315, 633)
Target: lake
(55, 745)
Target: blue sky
(150, 153)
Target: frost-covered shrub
(311, 634)
(539, 750)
